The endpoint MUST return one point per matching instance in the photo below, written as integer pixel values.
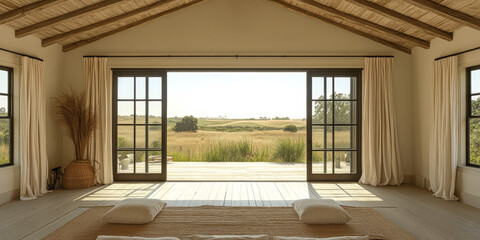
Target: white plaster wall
(246, 27)
(464, 39)
(10, 176)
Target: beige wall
(216, 27)
(247, 27)
(464, 39)
(10, 176)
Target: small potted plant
(80, 123)
(124, 161)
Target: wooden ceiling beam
(358, 20)
(386, 12)
(56, 20)
(84, 42)
(447, 13)
(59, 37)
(345, 27)
(22, 11)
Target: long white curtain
(32, 148)
(445, 137)
(380, 153)
(98, 84)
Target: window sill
(6, 168)
(468, 169)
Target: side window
(473, 116)
(6, 117)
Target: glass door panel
(139, 124)
(333, 124)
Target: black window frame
(140, 73)
(312, 176)
(10, 114)
(469, 115)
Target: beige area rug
(273, 221)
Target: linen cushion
(330, 238)
(320, 211)
(105, 237)
(134, 211)
(228, 237)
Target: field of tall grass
(227, 140)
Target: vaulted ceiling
(400, 24)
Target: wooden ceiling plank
(52, 21)
(345, 27)
(21, 11)
(55, 39)
(447, 13)
(410, 39)
(84, 42)
(403, 18)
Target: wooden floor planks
(412, 208)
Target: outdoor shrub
(140, 157)
(290, 128)
(188, 124)
(289, 150)
(123, 143)
(233, 151)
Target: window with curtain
(6, 119)
(473, 116)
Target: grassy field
(235, 140)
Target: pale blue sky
(4, 89)
(237, 94)
(228, 94)
(475, 81)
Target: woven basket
(79, 174)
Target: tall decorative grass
(78, 119)
(230, 151)
(289, 150)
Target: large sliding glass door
(333, 125)
(139, 124)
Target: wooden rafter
(358, 20)
(59, 37)
(56, 20)
(345, 27)
(403, 18)
(447, 13)
(21, 11)
(84, 42)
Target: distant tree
(187, 124)
(342, 110)
(290, 128)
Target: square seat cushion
(330, 238)
(105, 237)
(134, 211)
(320, 211)
(227, 237)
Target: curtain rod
(455, 54)
(238, 56)
(21, 54)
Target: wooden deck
(234, 171)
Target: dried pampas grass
(78, 119)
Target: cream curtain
(98, 84)
(380, 154)
(445, 137)
(33, 150)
